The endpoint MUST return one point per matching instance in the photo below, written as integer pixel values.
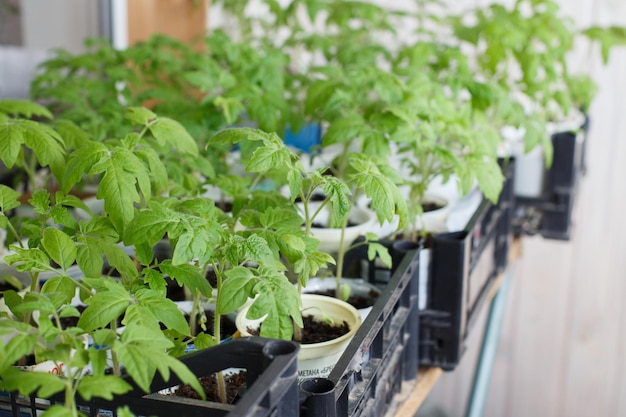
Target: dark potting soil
(322, 226)
(356, 301)
(431, 206)
(316, 331)
(234, 383)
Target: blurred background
(562, 348)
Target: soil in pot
(234, 384)
(316, 331)
(322, 226)
(431, 206)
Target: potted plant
(74, 359)
(271, 154)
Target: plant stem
(70, 400)
(342, 250)
(221, 384)
(194, 314)
(116, 364)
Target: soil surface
(431, 206)
(316, 331)
(323, 226)
(234, 383)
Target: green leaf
(59, 246)
(280, 301)
(40, 201)
(236, 135)
(150, 225)
(24, 108)
(311, 262)
(27, 382)
(375, 249)
(11, 140)
(102, 386)
(120, 260)
(280, 219)
(269, 157)
(57, 411)
(89, 257)
(167, 130)
(60, 290)
(124, 175)
(185, 375)
(82, 161)
(257, 250)
(124, 412)
(204, 341)
(231, 107)
(196, 243)
(165, 310)
(8, 198)
(140, 115)
(489, 176)
(73, 136)
(47, 145)
(143, 326)
(155, 280)
(139, 362)
(17, 347)
(188, 275)
(339, 194)
(104, 308)
(29, 260)
(236, 289)
(384, 194)
(156, 167)
(344, 130)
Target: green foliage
(607, 38)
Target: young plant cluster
(403, 96)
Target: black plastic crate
(463, 267)
(272, 386)
(550, 214)
(381, 357)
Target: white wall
(59, 23)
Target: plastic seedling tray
(550, 214)
(380, 359)
(272, 386)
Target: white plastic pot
(357, 287)
(434, 221)
(316, 359)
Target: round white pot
(529, 166)
(434, 221)
(358, 287)
(363, 219)
(316, 360)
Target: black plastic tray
(272, 383)
(379, 360)
(463, 267)
(550, 214)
